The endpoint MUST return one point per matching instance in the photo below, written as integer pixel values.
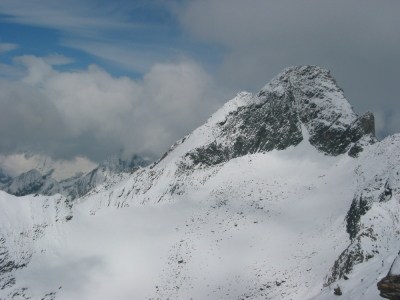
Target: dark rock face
(358, 208)
(265, 126)
(351, 256)
(298, 97)
(389, 287)
(345, 263)
(260, 127)
(8, 265)
(354, 254)
(211, 155)
(335, 141)
(322, 108)
(362, 203)
(386, 194)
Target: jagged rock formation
(273, 119)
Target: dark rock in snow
(389, 286)
(358, 208)
(337, 291)
(354, 254)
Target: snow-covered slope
(282, 195)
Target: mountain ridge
(272, 219)
(36, 182)
(272, 119)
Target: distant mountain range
(35, 182)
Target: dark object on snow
(337, 291)
(389, 287)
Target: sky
(90, 78)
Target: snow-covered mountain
(31, 182)
(36, 182)
(285, 194)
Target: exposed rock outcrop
(300, 96)
(389, 286)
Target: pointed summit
(304, 96)
(321, 106)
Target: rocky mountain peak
(301, 102)
(322, 107)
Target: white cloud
(38, 70)
(56, 59)
(6, 47)
(125, 55)
(89, 110)
(78, 17)
(176, 98)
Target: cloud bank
(15, 164)
(91, 113)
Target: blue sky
(91, 77)
(125, 37)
